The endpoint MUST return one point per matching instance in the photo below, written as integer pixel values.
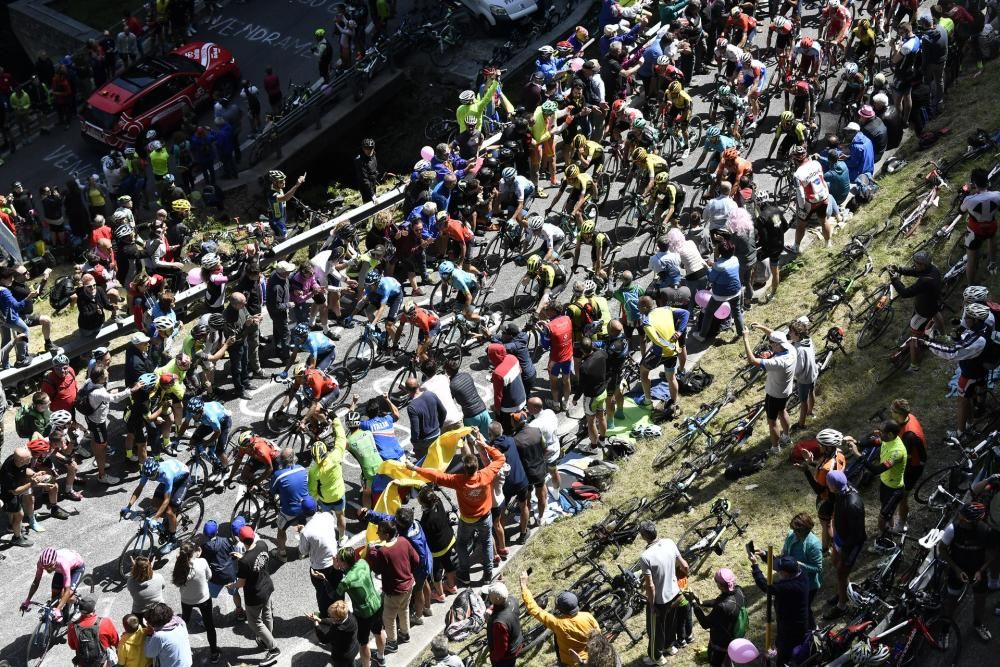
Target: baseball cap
(853, 127)
(237, 524)
(786, 564)
(139, 338)
(87, 604)
(211, 528)
(246, 534)
(567, 603)
(778, 337)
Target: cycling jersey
(811, 186)
(681, 101)
(865, 36)
(798, 130)
(383, 430)
(658, 325)
(756, 71)
(732, 102)
(319, 382)
(424, 320)
(291, 485)
(213, 414)
(812, 53)
(561, 339)
(517, 188)
(550, 276)
(464, 281)
(67, 560)
(982, 208)
(654, 164)
(592, 149)
(317, 343)
(718, 144)
(386, 290)
(735, 170)
(170, 472)
(839, 19)
(361, 445)
(731, 53)
(551, 235)
(894, 452)
(597, 245)
(582, 182)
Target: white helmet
(60, 418)
(467, 96)
(975, 294)
(535, 221)
(210, 261)
(850, 68)
(830, 437)
(163, 324)
(977, 312)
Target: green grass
(99, 15)
(848, 397)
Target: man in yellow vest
(20, 102)
(159, 160)
(891, 470)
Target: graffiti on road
(229, 27)
(67, 160)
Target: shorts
(888, 500)
(180, 491)
(955, 585)
(803, 390)
(849, 553)
(912, 475)
(329, 399)
(918, 323)
(655, 357)
(783, 41)
(595, 405)
(966, 384)
(521, 496)
(99, 432)
(394, 304)
(335, 506)
(816, 213)
(730, 68)
(136, 426)
(824, 508)
(561, 368)
(286, 520)
(442, 564)
(774, 406)
(11, 504)
(32, 320)
(75, 577)
(423, 336)
(214, 589)
(369, 626)
(481, 421)
(978, 233)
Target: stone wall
(40, 28)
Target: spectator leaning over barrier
(60, 384)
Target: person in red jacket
(560, 356)
(106, 632)
(474, 489)
(508, 389)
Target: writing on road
(69, 161)
(229, 27)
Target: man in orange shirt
(474, 489)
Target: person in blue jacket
(290, 483)
(861, 159)
(724, 281)
(547, 63)
(838, 178)
(516, 488)
(407, 527)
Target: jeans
(238, 366)
(708, 323)
(12, 328)
(472, 536)
(393, 607)
(207, 619)
(325, 589)
(261, 619)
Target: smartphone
(751, 551)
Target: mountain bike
(143, 543)
(707, 536)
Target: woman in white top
(191, 575)
(693, 265)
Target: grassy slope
(848, 395)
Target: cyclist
(465, 285)
(795, 135)
(678, 109)
(926, 295)
(516, 194)
(166, 405)
(853, 82)
(863, 43)
(600, 245)
(660, 328)
(277, 200)
(642, 135)
(67, 569)
(714, 144)
(727, 55)
(261, 459)
(838, 23)
(804, 98)
(645, 167)
(811, 195)
(550, 277)
(172, 479)
(213, 425)
(809, 57)
(668, 197)
(587, 154)
(361, 445)
(982, 205)
(753, 78)
(733, 107)
(732, 167)
(385, 296)
(967, 546)
(324, 389)
(552, 237)
(139, 426)
(741, 27)
(427, 324)
(581, 189)
(977, 294)
(381, 423)
(321, 351)
(783, 29)
(583, 310)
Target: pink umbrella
(194, 277)
(576, 64)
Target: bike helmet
(319, 33)
(169, 178)
(276, 175)
(129, 151)
(977, 312)
(148, 380)
(797, 153)
(300, 331)
(150, 467)
(446, 268)
(713, 131)
(735, 11)
(724, 90)
(579, 141)
(639, 123)
(786, 117)
(862, 653)
(368, 143)
(730, 154)
(216, 322)
(564, 46)
(864, 23)
(352, 419)
(163, 324)
(62, 359)
(850, 68)
(549, 108)
(675, 87)
(210, 261)
(60, 418)
(167, 378)
(663, 60)
(806, 42)
(467, 97)
(644, 431)
(833, 4)
(155, 145)
(721, 43)
(975, 294)
(199, 330)
(974, 511)
(830, 437)
(195, 404)
(48, 557)
(373, 277)
(535, 221)
(509, 173)
(119, 216)
(124, 231)
(181, 205)
(639, 155)
(589, 287)
(746, 59)
(587, 228)
(662, 178)
(572, 171)
(409, 307)
(856, 596)
(533, 263)
(592, 329)
(546, 50)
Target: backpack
(617, 448)
(599, 475)
(742, 624)
(82, 403)
(746, 466)
(24, 422)
(466, 616)
(89, 652)
(579, 491)
(694, 382)
(865, 188)
(62, 290)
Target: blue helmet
(195, 404)
(373, 277)
(300, 331)
(446, 268)
(148, 380)
(150, 467)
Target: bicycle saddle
(930, 540)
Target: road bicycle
(973, 464)
(749, 375)
(459, 334)
(836, 293)
(682, 138)
(441, 129)
(189, 517)
(398, 393)
(876, 313)
(441, 40)
(258, 506)
(613, 609)
(505, 245)
(635, 217)
(691, 429)
(910, 211)
(708, 535)
(290, 407)
(371, 348)
(48, 632)
(618, 529)
(203, 466)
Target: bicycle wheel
(234, 438)
(627, 223)
(604, 181)
(876, 321)
(249, 508)
(344, 383)
(440, 296)
(699, 541)
(140, 544)
(398, 394)
(199, 474)
(189, 518)
(941, 649)
(435, 129)
(897, 361)
(277, 418)
(955, 479)
(39, 643)
(360, 358)
(523, 299)
(665, 501)
(784, 190)
(678, 444)
(442, 54)
(496, 253)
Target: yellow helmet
(675, 87)
(579, 141)
(639, 154)
(533, 263)
(587, 228)
(662, 178)
(298, 369)
(181, 205)
(571, 172)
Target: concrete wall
(40, 28)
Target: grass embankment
(848, 396)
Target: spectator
(339, 630)
(593, 386)
(127, 46)
(254, 576)
(848, 528)
(463, 390)
(802, 545)
(366, 170)
(475, 499)
(508, 390)
(62, 96)
(272, 86)
(779, 381)
(276, 299)
(890, 118)
(414, 534)
(203, 154)
(570, 626)
(15, 326)
(326, 475)
(912, 435)
(318, 543)
(237, 321)
(249, 92)
(816, 468)
(17, 485)
(92, 645)
(100, 400)
(744, 237)
(806, 370)
(660, 562)
(131, 644)
(503, 626)
(168, 644)
(218, 552)
(513, 487)
(890, 466)
(145, 586)
(838, 178)
(91, 302)
(861, 159)
(191, 575)
(251, 285)
(516, 342)
(290, 484)
(790, 594)
(875, 130)
(395, 561)
(60, 384)
(440, 540)
(724, 283)
(359, 585)
(427, 414)
(439, 384)
(722, 617)
(137, 359)
(225, 146)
